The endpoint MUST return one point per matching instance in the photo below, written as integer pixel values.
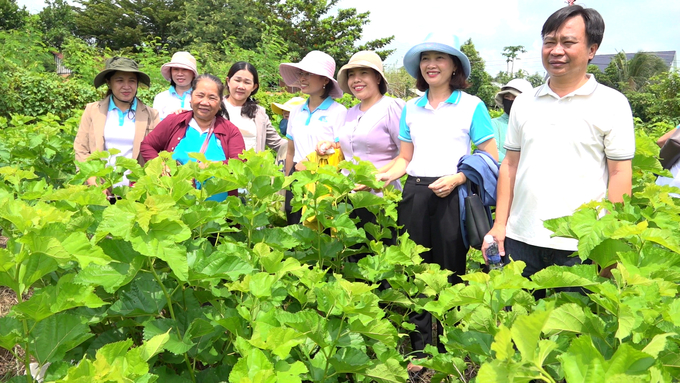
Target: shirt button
(417, 179)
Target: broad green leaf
(53, 337)
(381, 330)
(253, 367)
(606, 253)
(261, 284)
(390, 371)
(83, 251)
(526, 331)
(627, 319)
(583, 362)
(502, 344)
(627, 360)
(568, 317)
(10, 332)
(141, 297)
(154, 346)
(350, 360)
(566, 276)
(175, 344)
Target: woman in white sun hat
(436, 130)
(317, 119)
(284, 109)
(180, 72)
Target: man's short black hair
(592, 18)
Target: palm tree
(634, 74)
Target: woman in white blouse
(251, 119)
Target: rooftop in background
(669, 57)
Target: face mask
(283, 126)
(507, 104)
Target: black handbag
(476, 219)
(670, 153)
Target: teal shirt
(500, 128)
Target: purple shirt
(373, 135)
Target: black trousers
(538, 258)
(432, 222)
(292, 218)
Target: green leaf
(10, 332)
(350, 360)
(526, 331)
(390, 371)
(627, 360)
(83, 251)
(568, 317)
(502, 344)
(566, 276)
(583, 362)
(53, 337)
(141, 297)
(154, 346)
(174, 344)
(381, 330)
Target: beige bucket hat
(363, 59)
(179, 60)
(288, 105)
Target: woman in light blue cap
(436, 130)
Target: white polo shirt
(442, 136)
(564, 145)
(119, 133)
(306, 128)
(170, 101)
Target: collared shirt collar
(122, 113)
(173, 92)
(325, 104)
(454, 98)
(585, 89)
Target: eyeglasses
(303, 74)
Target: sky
(630, 26)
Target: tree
(634, 74)
(306, 26)
(480, 80)
(511, 53)
(400, 83)
(11, 16)
(119, 24)
(57, 21)
(214, 21)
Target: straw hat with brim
(122, 64)
(514, 87)
(362, 59)
(182, 60)
(287, 106)
(315, 62)
(438, 43)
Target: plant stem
(24, 323)
(172, 315)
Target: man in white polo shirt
(569, 141)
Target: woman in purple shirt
(371, 129)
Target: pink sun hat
(182, 60)
(315, 62)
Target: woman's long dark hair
(249, 109)
(131, 113)
(220, 91)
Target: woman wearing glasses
(317, 119)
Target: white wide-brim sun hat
(436, 42)
(315, 62)
(515, 87)
(182, 60)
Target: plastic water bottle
(492, 254)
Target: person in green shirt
(504, 100)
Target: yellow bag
(328, 159)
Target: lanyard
(207, 138)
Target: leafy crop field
(165, 286)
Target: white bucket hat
(514, 87)
(362, 59)
(436, 42)
(288, 105)
(179, 60)
(315, 62)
